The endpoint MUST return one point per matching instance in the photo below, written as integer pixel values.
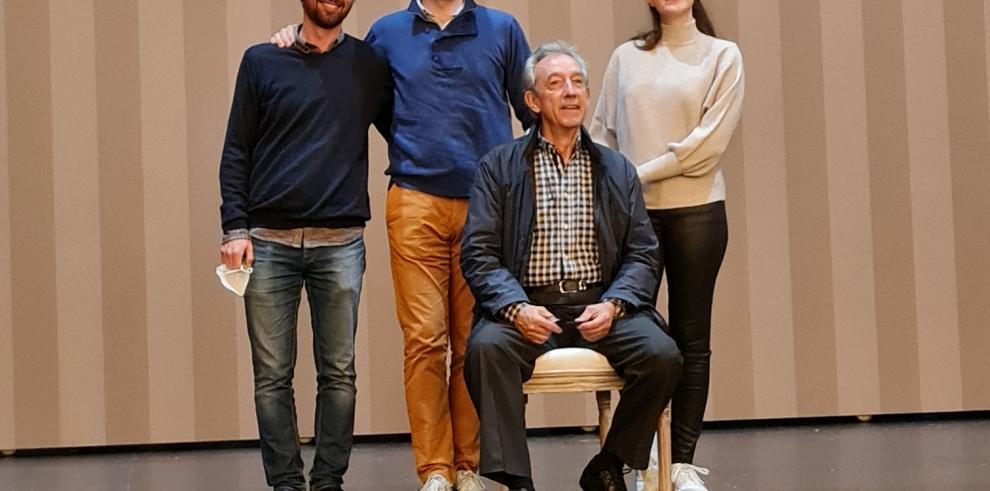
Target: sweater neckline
(680, 34)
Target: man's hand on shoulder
(285, 37)
(536, 323)
(596, 321)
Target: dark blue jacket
(453, 91)
(498, 236)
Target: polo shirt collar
(416, 7)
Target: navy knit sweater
(453, 91)
(296, 152)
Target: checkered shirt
(565, 246)
(564, 242)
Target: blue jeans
(332, 277)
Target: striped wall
(856, 280)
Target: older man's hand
(536, 323)
(596, 321)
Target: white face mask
(235, 280)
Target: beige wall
(856, 280)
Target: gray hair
(546, 50)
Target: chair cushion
(578, 360)
(572, 370)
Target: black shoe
(288, 488)
(602, 479)
(328, 487)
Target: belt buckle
(570, 286)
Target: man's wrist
(510, 312)
(620, 307)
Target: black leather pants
(692, 245)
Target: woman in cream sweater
(670, 102)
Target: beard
(324, 19)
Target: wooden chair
(566, 370)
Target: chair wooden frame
(601, 380)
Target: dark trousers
(499, 360)
(692, 245)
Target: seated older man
(558, 251)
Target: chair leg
(604, 398)
(663, 448)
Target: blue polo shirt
(453, 91)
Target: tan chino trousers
(434, 307)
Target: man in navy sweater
(458, 71)
(294, 180)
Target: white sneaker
(469, 481)
(436, 482)
(685, 477)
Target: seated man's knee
(662, 354)
(487, 341)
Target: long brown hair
(650, 39)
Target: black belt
(566, 292)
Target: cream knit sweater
(672, 112)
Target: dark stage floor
(888, 456)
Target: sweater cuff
(660, 168)
(235, 224)
(236, 234)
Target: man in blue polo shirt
(457, 69)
